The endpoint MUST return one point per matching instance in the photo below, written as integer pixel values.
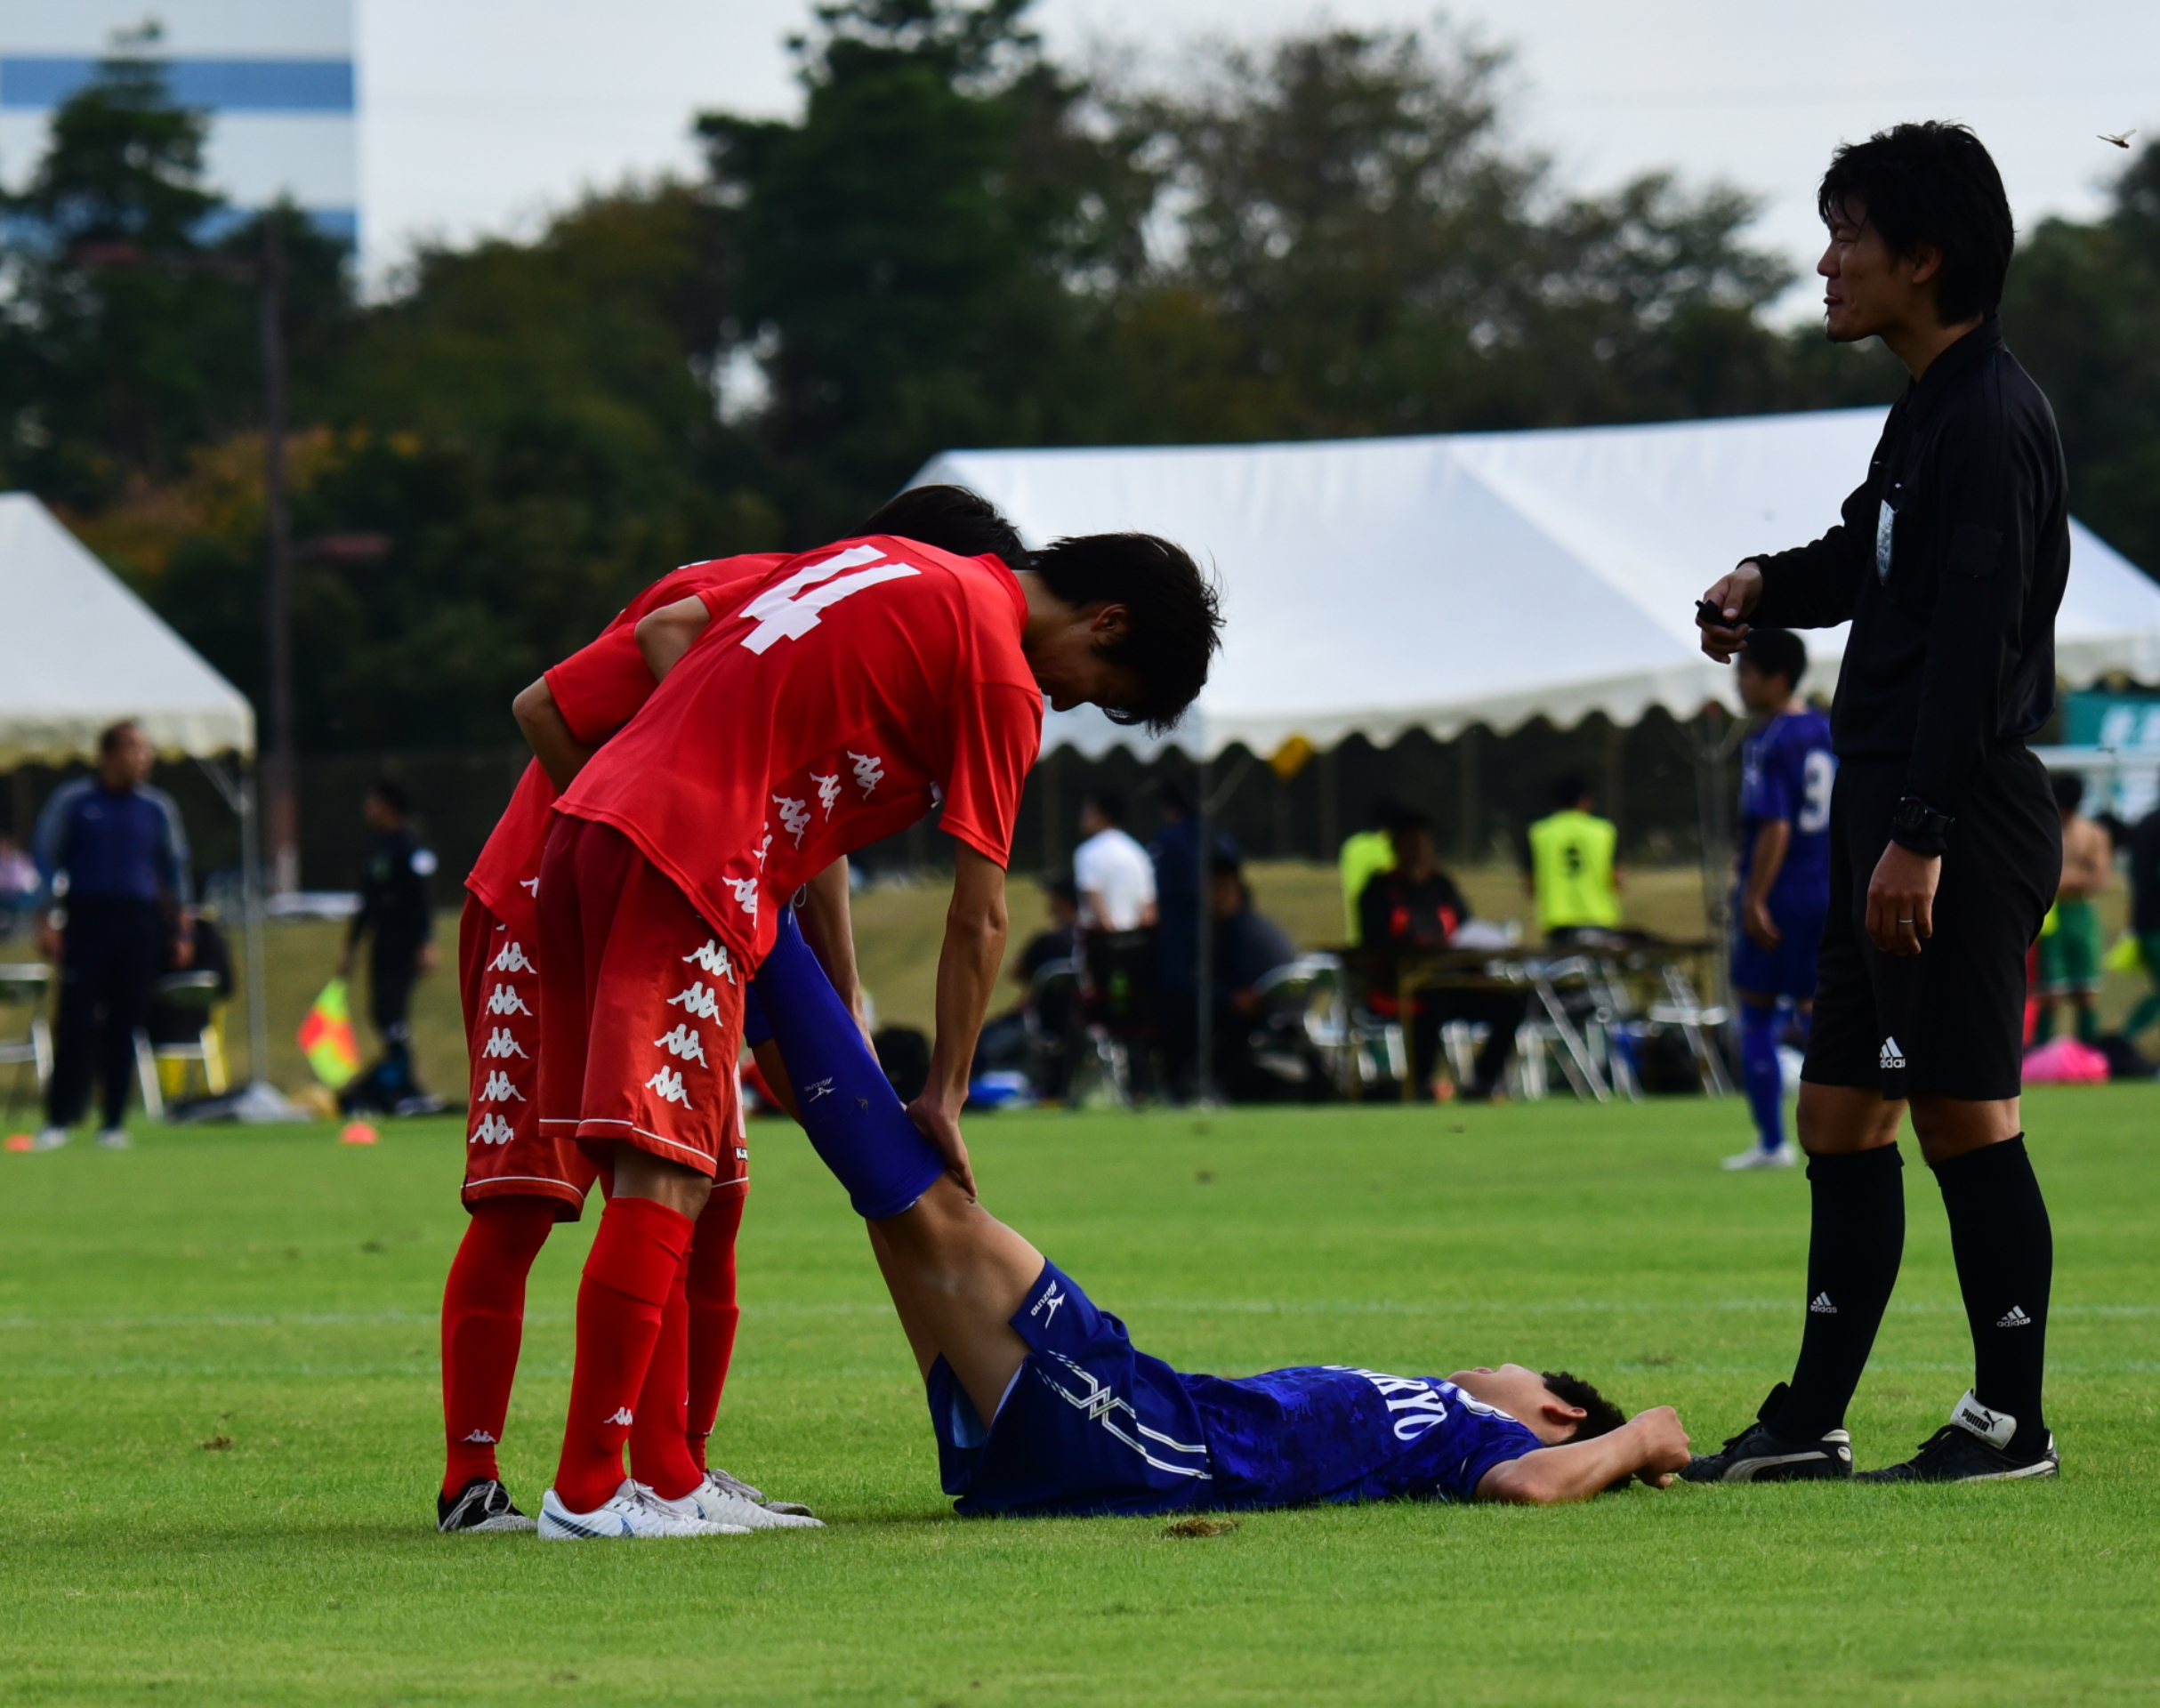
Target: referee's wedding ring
(1905, 921)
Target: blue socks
(854, 1118)
(1760, 1073)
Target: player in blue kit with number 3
(1041, 1405)
(1786, 769)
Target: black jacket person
(397, 910)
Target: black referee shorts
(1950, 1021)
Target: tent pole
(251, 916)
(1712, 805)
(1203, 995)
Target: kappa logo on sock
(479, 1438)
(1820, 1305)
(622, 1415)
(2014, 1318)
(1892, 1055)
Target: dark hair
(1569, 790)
(1224, 863)
(1604, 1416)
(391, 793)
(1171, 797)
(1383, 812)
(1777, 652)
(1061, 887)
(1408, 818)
(1932, 184)
(108, 738)
(1109, 802)
(1176, 614)
(952, 520)
(2069, 790)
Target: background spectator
(1112, 873)
(1573, 873)
(2145, 915)
(1414, 907)
(1369, 852)
(18, 885)
(114, 858)
(2070, 940)
(1248, 946)
(397, 907)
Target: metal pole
(1714, 816)
(251, 914)
(277, 611)
(1204, 969)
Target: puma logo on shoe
(1997, 1429)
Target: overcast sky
(481, 115)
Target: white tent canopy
(1373, 586)
(79, 651)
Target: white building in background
(279, 76)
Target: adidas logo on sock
(1820, 1305)
(2014, 1318)
(479, 1438)
(622, 1415)
(1892, 1055)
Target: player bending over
(1078, 1422)
(519, 1183)
(833, 702)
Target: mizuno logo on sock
(622, 1415)
(1820, 1305)
(2014, 1318)
(1892, 1055)
(478, 1437)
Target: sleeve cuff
(1921, 841)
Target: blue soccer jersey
(1092, 1425)
(1786, 771)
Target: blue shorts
(1789, 969)
(756, 1029)
(1088, 1426)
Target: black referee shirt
(1950, 561)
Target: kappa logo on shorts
(499, 1090)
(795, 816)
(1050, 1301)
(511, 959)
(697, 1000)
(684, 1042)
(668, 1084)
(828, 791)
(493, 1130)
(1892, 1055)
(869, 771)
(505, 1000)
(500, 1046)
(746, 891)
(712, 958)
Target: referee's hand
(1901, 899)
(1736, 595)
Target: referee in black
(1944, 844)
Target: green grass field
(274, 1288)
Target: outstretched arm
(1652, 1443)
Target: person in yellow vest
(1574, 875)
(1363, 856)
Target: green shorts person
(2070, 954)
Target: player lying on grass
(1041, 1405)
(517, 1183)
(833, 702)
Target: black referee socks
(2005, 1252)
(1854, 1247)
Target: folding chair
(197, 994)
(23, 984)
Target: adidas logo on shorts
(1892, 1055)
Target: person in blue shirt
(1041, 1405)
(113, 856)
(1786, 771)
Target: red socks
(660, 1457)
(713, 1315)
(628, 1277)
(483, 1320)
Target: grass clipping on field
(1200, 1527)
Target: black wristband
(1918, 826)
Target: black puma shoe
(1971, 1447)
(1759, 1454)
(482, 1504)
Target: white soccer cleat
(115, 1138)
(689, 1507)
(631, 1510)
(718, 1503)
(756, 1496)
(1755, 1156)
(50, 1139)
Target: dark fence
(1480, 791)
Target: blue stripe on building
(33, 81)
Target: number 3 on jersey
(792, 609)
(1817, 777)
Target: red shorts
(641, 1015)
(505, 1156)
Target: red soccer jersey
(853, 689)
(597, 689)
